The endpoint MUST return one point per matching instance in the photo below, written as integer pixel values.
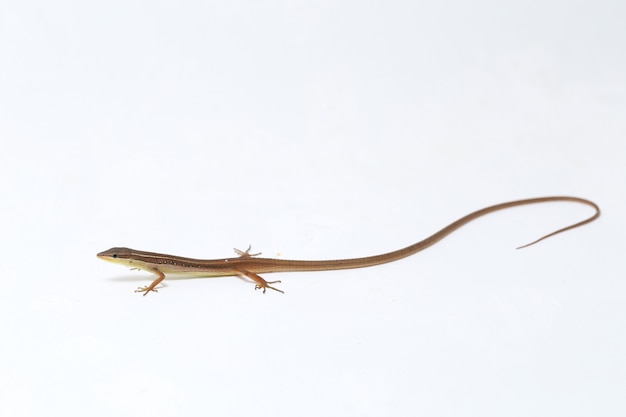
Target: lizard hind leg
(246, 253)
(259, 281)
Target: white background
(312, 130)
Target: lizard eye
(115, 255)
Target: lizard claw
(266, 285)
(145, 290)
(246, 253)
